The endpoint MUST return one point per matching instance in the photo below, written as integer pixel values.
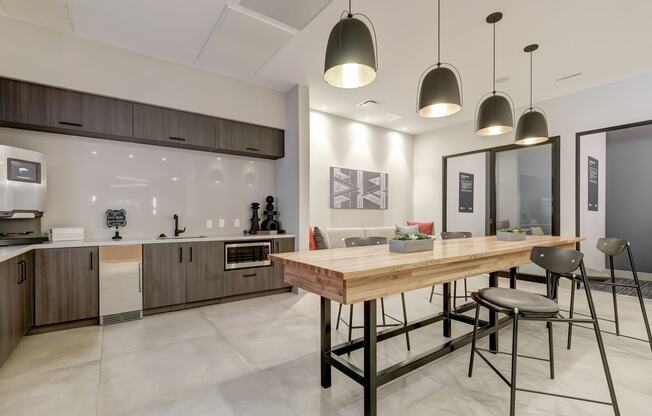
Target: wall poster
(466, 192)
(592, 187)
(358, 189)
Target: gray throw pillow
(320, 240)
(405, 229)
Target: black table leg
(370, 368)
(493, 316)
(512, 277)
(447, 309)
(325, 342)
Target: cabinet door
(25, 103)
(66, 285)
(69, 109)
(8, 308)
(188, 129)
(230, 135)
(147, 122)
(164, 274)
(238, 282)
(264, 141)
(204, 271)
(107, 116)
(281, 245)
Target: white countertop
(9, 252)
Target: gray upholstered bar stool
(453, 235)
(520, 305)
(613, 247)
(362, 242)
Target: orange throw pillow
(424, 227)
(312, 243)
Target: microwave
(247, 254)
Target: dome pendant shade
(350, 55)
(494, 116)
(532, 128)
(439, 94)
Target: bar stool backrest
(611, 246)
(364, 241)
(452, 235)
(557, 260)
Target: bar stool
(452, 235)
(520, 305)
(362, 242)
(613, 247)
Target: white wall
(593, 223)
(340, 142)
(474, 222)
(82, 185)
(619, 103)
(37, 54)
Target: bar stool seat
(528, 304)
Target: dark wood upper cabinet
(249, 139)
(148, 122)
(69, 109)
(25, 103)
(204, 271)
(188, 129)
(164, 274)
(66, 285)
(107, 116)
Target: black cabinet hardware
(91, 256)
(179, 139)
(249, 275)
(68, 123)
(180, 254)
(253, 149)
(190, 259)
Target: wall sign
(466, 192)
(358, 189)
(592, 186)
(116, 218)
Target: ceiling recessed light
(174, 178)
(131, 156)
(216, 182)
(577, 74)
(94, 152)
(163, 159)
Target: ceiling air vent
(369, 104)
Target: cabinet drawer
(237, 282)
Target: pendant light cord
(438, 32)
(494, 58)
(530, 80)
(350, 13)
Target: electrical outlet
(221, 222)
(209, 224)
(236, 223)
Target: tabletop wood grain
(350, 275)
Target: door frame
(491, 182)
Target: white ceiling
(279, 43)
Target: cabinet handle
(20, 275)
(91, 258)
(68, 123)
(180, 254)
(190, 259)
(24, 271)
(249, 275)
(253, 149)
(140, 277)
(179, 139)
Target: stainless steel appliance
(121, 283)
(249, 254)
(23, 192)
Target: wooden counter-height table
(364, 274)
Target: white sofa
(335, 237)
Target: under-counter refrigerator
(121, 283)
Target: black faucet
(177, 231)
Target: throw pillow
(424, 227)
(312, 244)
(320, 240)
(404, 229)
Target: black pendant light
(351, 54)
(532, 127)
(438, 91)
(494, 113)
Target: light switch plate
(209, 224)
(236, 223)
(221, 223)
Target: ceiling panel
(294, 13)
(50, 13)
(242, 43)
(169, 29)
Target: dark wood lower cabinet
(164, 274)
(204, 271)
(66, 286)
(239, 282)
(281, 245)
(16, 278)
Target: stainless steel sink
(180, 237)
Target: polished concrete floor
(260, 357)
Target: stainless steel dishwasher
(121, 283)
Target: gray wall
(629, 193)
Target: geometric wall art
(358, 189)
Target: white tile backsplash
(88, 176)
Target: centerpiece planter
(511, 234)
(411, 243)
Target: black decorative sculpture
(254, 222)
(270, 224)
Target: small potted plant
(511, 234)
(411, 243)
